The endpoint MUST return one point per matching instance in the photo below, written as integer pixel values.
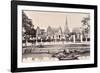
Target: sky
(55, 19)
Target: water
(45, 53)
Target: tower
(66, 29)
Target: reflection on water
(47, 57)
(57, 53)
(54, 57)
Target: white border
(53, 63)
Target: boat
(72, 57)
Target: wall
(5, 36)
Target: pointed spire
(66, 30)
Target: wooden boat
(69, 58)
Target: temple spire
(66, 29)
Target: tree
(33, 34)
(86, 26)
(28, 28)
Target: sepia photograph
(50, 36)
(55, 36)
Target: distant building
(66, 29)
(54, 33)
(80, 36)
(57, 33)
(77, 34)
(40, 33)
